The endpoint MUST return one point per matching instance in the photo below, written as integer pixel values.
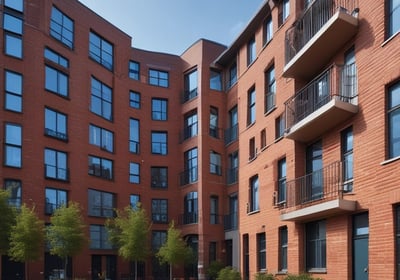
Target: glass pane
(13, 156)
(13, 82)
(13, 46)
(13, 135)
(15, 4)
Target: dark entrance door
(360, 246)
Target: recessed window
(263, 139)
(316, 245)
(101, 51)
(190, 129)
(190, 84)
(62, 27)
(134, 70)
(231, 133)
(158, 78)
(268, 30)
(56, 164)
(100, 167)
(99, 237)
(55, 198)
(190, 205)
(134, 173)
(213, 130)
(251, 51)
(17, 5)
(13, 30)
(261, 251)
(215, 80)
(13, 145)
(232, 174)
(190, 175)
(232, 75)
(159, 211)
(215, 163)
(251, 106)
(254, 194)
(347, 158)
(393, 115)
(134, 99)
(101, 137)
(282, 180)
(134, 129)
(55, 124)
(283, 248)
(270, 89)
(159, 144)
(214, 204)
(13, 91)
(101, 99)
(252, 149)
(159, 177)
(279, 127)
(159, 109)
(56, 81)
(394, 16)
(15, 189)
(284, 11)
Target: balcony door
(314, 178)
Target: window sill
(390, 160)
(390, 38)
(270, 111)
(317, 270)
(253, 212)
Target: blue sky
(171, 26)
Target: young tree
(129, 232)
(7, 220)
(66, 234)
(26, 238)
(175, 250)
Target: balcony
(325, 102)
(231, 134)
(188, 218)
(316, 195)
(317, 35)
(188, 176)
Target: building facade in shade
(276, 154)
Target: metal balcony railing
(189, 218)
(336, 82)
(231, 134)
(188, 95)
(189, 176)
(231, 221)
(324, 184)
(232, 175)
(312, 20)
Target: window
(215, 80)
(254, 199)
(13, 30)
(213, 131)
(56, 81)
(215, 163)
(101, 204)
(134, 173)
(13, 91)
(101, 99)
(284, 11)
(101, 51)
(55, 124)
(251, 106)
(261, 251)
(394, 120)
(263, 139)
(56, 58)
(15, 189)
(270, 92)
(190, 86)
(101, 137)
(158, 238)
(397, 237)
(283, 248)
(212, 251)
(134, 99)
(134, 199)
(100, 167)
(214, 216)
(159, 177)
(17, 5)
(190, 129)
(252, 149)
(316, 245)
(279, 127)
(314, 187)
(159, 144)
(190, 174)
(13, 145)
(56, 163)
(251, 51)
(99, 237)
(159, 210)
(62, 28)
(232, 78)
(159, 109)
(190, 208)
(347, 158)
(55, 198)
(134, 70)
(268, 30)
(246, 256)
(231, 133)
(282, 180)
(394, 17)
(233, 168)
(158, 78)
(134, 136)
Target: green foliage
(303, 276)
(7, 220)
(27, 235)
(229, 273)
(213, 269)
(264, 276)
(129, 232)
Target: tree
(129, 232)
(26, 238)
(229, 273)
(174, 250)
(66, 234)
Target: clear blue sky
(171, 26)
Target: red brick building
(278, 153)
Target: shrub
(303, 276)
(213, 269)
(228, 273)
(264, 276)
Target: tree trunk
(170, 271)
(135, 270)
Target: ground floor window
(316, 245)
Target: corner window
(55, 124)
(101, 137)
(55, 198)
(134, 173)
(100, 204)
(56, 164)
(101, 99)
(100, 167)
(13, 91)
(134, 70)
(190, 85)
(251, 51)
(134, 136)
(101, 51)
(254, 194)
(13, 31)
(159, 210)
(158, 78)
(15, 189)
(232, 75)
(159, 109)
(13, 145)
(215, 80)
(215, 163)
(393, 115)
(134, 99)
(159, 177)
(268, 30)
(62, 28)
(159, 144)
(394, 16)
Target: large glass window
(215, 80)
(134, 70)
(316, 245)
(101, 99)
(15, 189)
(158, 78)
(215, 163)
(251, 106)
(254, 194)
(283, 248)
(191, 208)
(159, 109)
(261, 251)
(101, 137)
(159, 210)
(13, 91)
(55, 198)
(13, 30)
(55, 124)
(134, 136)
(134, 173)
(213, 130)
(190, 129)
(270, 92)
(214, 213)
(13, 145)
(101, 50)
(394, 16)
(394, 120)
(268, 30)
(134, 99)
(56, 81)
(347, 158)
(100, 204)
(282, 180)
(190, 174)
(251, 51)
(56, 163)
(159, 177)
(190, 85)
(99, 237)
(62, 27)
(100, 167)
(159, 142)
